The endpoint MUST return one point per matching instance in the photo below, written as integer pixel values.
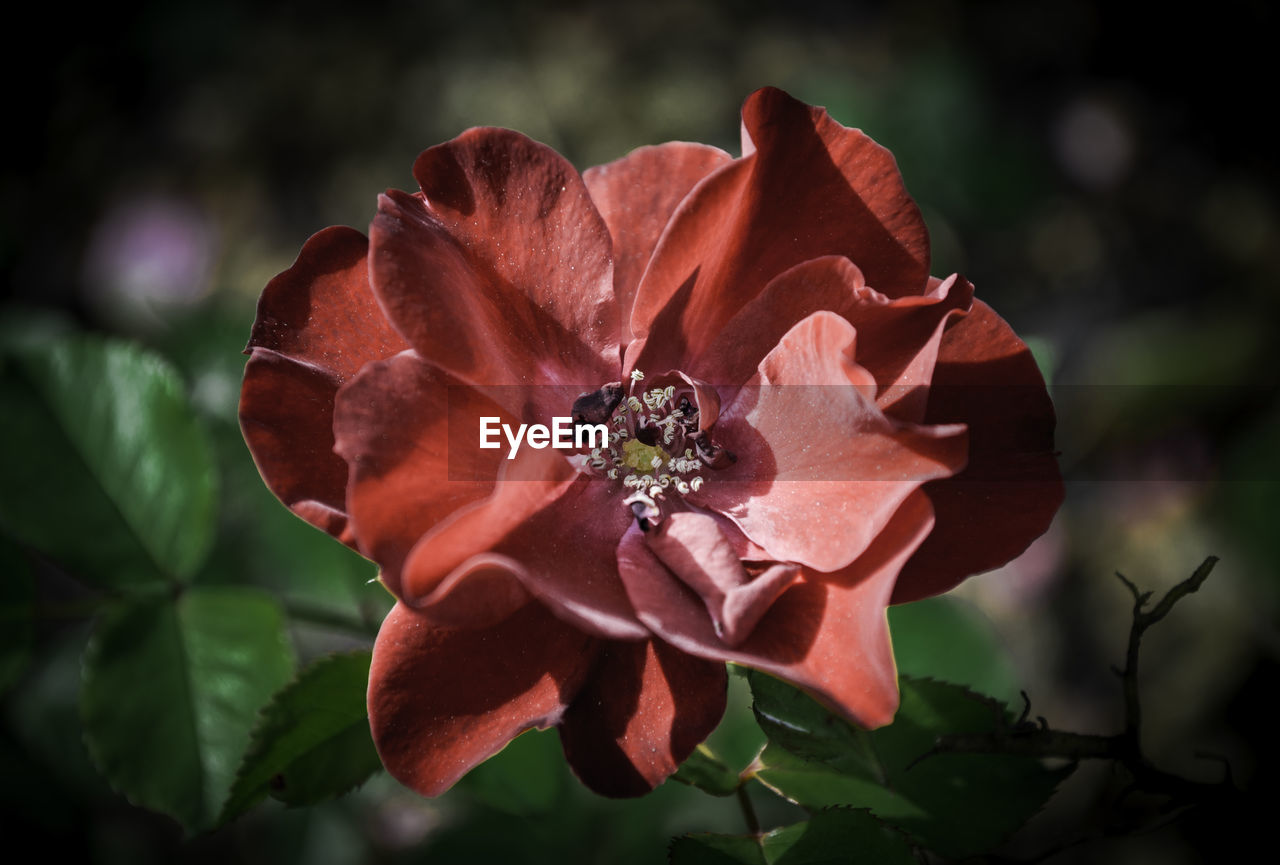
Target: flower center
(655, 448)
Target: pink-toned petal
(827, 634)
(317, 324)
(643, 710)
(441, 701)
(831, 282)
(500, 272)
(820, 469)
(393, 427)
(556, 536)
(701, 395)
(897, 338)
(693, 548)
(636, 195)
(1007, 495)
(286, 415)
(809, 187)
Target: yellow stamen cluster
(649, 470)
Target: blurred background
(1105, 182)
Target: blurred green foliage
(1107, 196)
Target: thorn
(1133, 590)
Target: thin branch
(1029, 739)
(748, 811)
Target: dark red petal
(441, 701)
(392, 426)
(286, 415)
(321, 311)
(479, 593)
(502, 275)
(317, 324)
(636, 195)
(820, 469)
(643, 710)
(828, 283)
(827, 634)
(809, 187)
(561, 551)
(1007, 495)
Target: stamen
(655, 444)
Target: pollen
(638, 456)
(649, 449)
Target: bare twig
(1125, 748)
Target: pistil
(655, 447)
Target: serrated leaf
(172, 689)
(716, 850)
(17, 606)
(704, 771)
(837, 835)
(957, 804)
(948, 640)
(797, 722)
(312, 741)
(103, 465)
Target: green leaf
(526, 777)
(312, 742)
(171, 691)
(704, 771)
(957, 804)
(103, 465)
(797, 722)
(837, 835)
(834, 836)
(716, 850)
(946, 639)
(17, 606)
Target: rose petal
(479, 593)
(392, 426)
(502, 275)
(555, 536)
(693, 548)
(1007, 495)
(321, 311)
(897, 338)
(827, 634)
(809, 187)
(441, 701)
(317, 324)
(820, 469)
(643, 710)
(636, 195)
(286, 416)
(831, 282)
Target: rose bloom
(806, 428)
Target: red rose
(821, 429)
